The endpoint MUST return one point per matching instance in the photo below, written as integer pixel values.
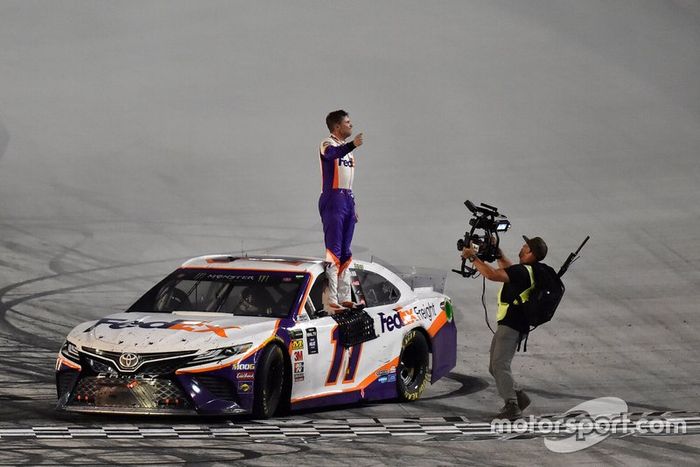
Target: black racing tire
(270, 374)
(413, 368)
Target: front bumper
(82, 389)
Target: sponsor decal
(245, 375)
(245, 387)
(387, 378)
(210, 276)
(298, 370)
(312, 340)
(346, 162)
(296, 333)
(243, 366)
(407, 316)
(298, 344)
(177, 325)
(426, 312)
(404, 317)
(390, 322)
(385, 371)
(298, 355)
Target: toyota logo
(128, 361)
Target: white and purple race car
(233, 335)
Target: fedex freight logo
(178, 324)
(404, 317)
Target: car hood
(170, 332)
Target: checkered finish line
(458, 428)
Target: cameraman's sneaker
(510, 411)
(523, 400)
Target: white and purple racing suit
(337, 208)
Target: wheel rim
(411, 364)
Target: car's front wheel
(412, 377)
(269, 382)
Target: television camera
(486, 225)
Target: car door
(318, 358)
(327, 367)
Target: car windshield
(242, 293)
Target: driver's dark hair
(335, 118)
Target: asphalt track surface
(134, 135)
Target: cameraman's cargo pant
(503, 345)
(337, 209)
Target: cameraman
(518, 281)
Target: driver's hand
(359, 139)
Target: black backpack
(545, 297)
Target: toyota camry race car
(233, 335)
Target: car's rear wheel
(412, 370)
(269, 382)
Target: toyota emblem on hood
(128, 361)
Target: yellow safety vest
(524, 296)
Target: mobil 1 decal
(312, 340)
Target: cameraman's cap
(537, 246)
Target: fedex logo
(178, 324)
(390, 322)
(346, 162)
(404, 317)
(407, 316)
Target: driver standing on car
(337, 206)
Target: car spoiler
(416, 276)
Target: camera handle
(465, 271)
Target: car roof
(259, 262)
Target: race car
(249, 335)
